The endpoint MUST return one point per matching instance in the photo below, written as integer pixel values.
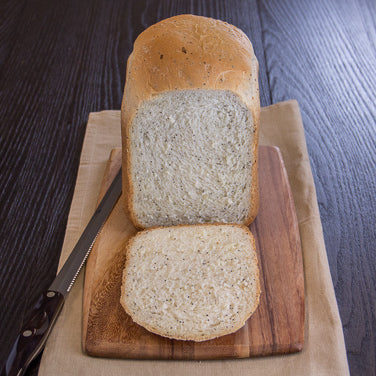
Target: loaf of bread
(191, 282)
(190, 122)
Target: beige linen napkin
(324, 350)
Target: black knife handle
(32, 338)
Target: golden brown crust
(197, 338)
(255, 196)
(189, 52)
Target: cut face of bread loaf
(191, 282)
(191, 167)
(190, 119)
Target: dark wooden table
(60, 60)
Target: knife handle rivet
(27, 333)
(51, 294)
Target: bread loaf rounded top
(190, 52)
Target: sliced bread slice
(191, 282)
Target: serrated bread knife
(33, 335)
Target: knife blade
(35, 331)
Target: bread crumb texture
(191, 158)
(191, 282)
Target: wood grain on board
(277, 326)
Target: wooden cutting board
(277, 326)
